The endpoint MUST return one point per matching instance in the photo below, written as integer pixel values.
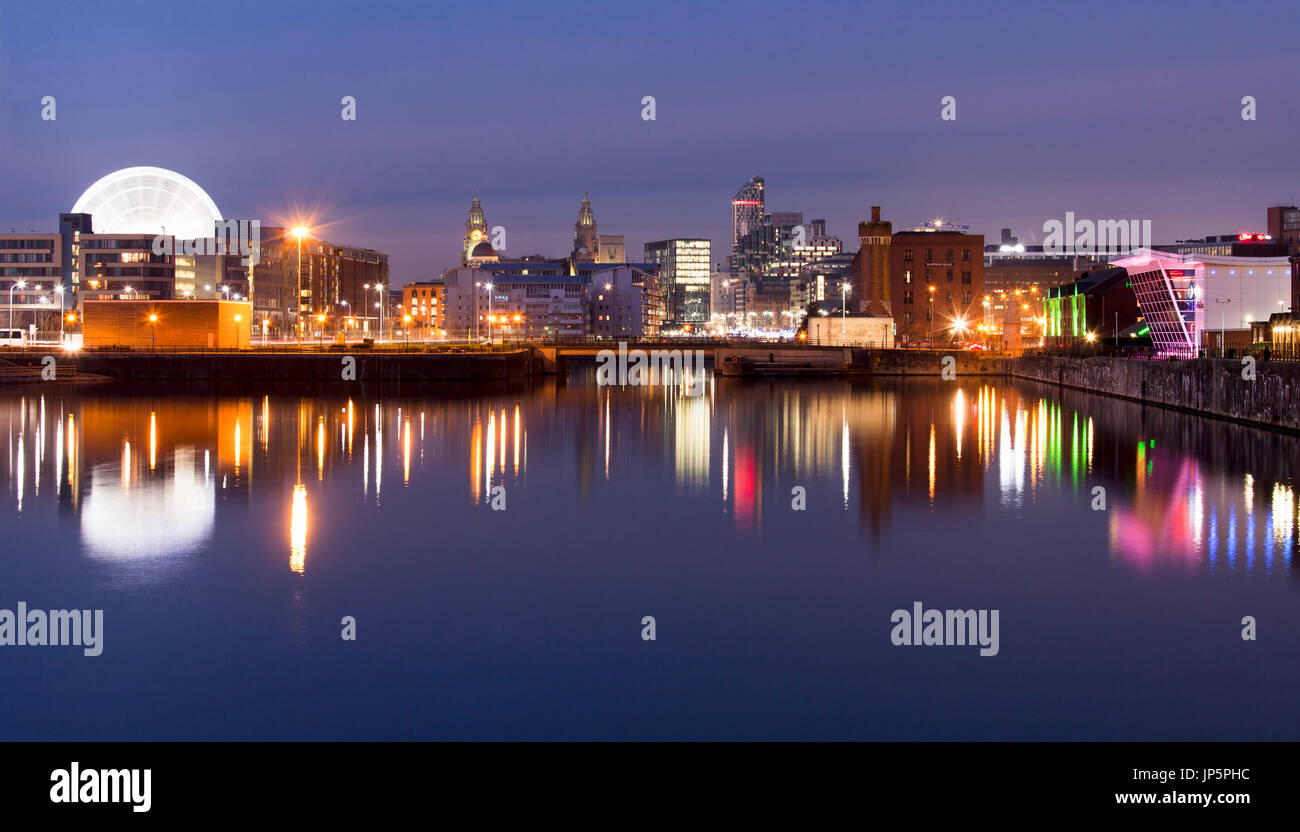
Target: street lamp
(488, 286)
(153, 331)
(300, 232)
(22, 284)
(379, 304)
(238, 318)
(844, 308)
(930, 314)
(58, 290)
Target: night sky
(1106, 109)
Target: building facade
(1191, 301)
(936, 282)
(625, 302)
(424, 303)
(684, 274)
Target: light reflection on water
(226, 533)
(881, 445)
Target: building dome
(483, 249)
(145, 200)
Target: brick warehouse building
(936, 282)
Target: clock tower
(476, 230)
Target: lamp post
(844, 309)
(22, 284)
(379, 304)
(488, 286)
(238, 318)
(930, 314)
(58, 290)
(153, 331)
(299, 232)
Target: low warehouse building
(167, 324)
(857, 330)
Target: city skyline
(399, 178)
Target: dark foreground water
(226, 533)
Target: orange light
(153, 319)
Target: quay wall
(260, 365)
(1213, 387)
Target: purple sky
(1110, 111)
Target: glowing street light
(300, 232)
(844, 309)
(58, 290)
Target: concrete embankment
(1206, 386)
(359, 365)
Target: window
(907, 276)
(949, 271)
(929, 254)
(928, 277)
(965, 255)
(965, 278)
(907, 255)
(966, 298)
(949, 257)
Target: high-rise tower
(747, 208)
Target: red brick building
(936, 283)
(425, 303)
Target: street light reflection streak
(476, 458)
(298, 530)
(58, 459)
(491, 453)
(73, 478)
(406, 453)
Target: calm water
(225, 533)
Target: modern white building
(1184, 296)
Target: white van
(13, 337)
